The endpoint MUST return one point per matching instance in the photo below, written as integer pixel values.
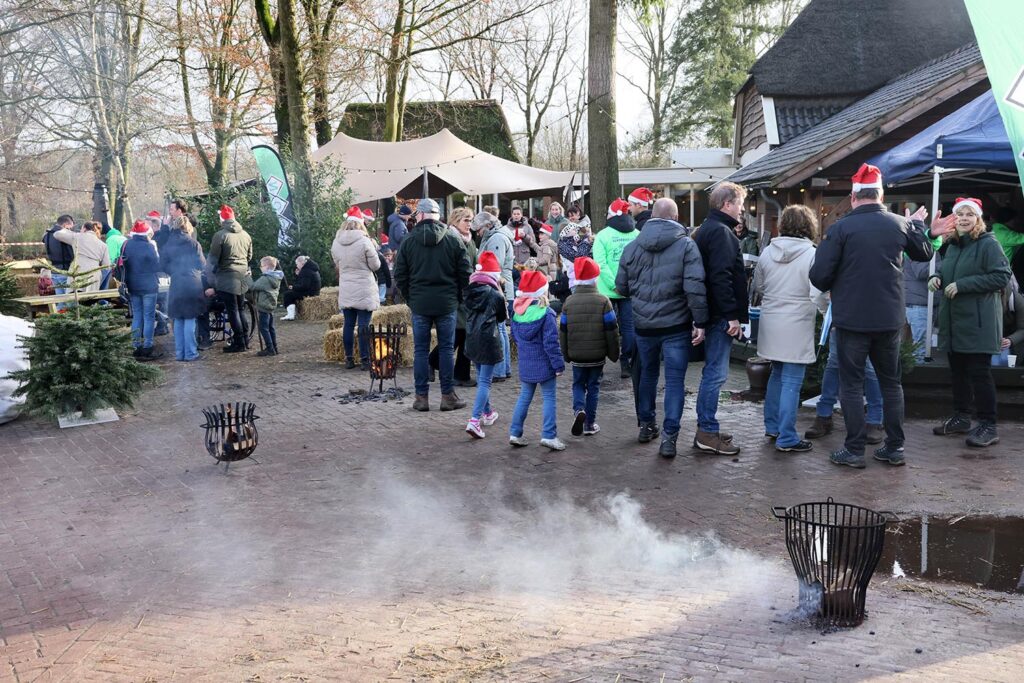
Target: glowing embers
(385, 353)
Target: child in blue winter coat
(535, 330)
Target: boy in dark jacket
(266, 288)
(485, 311)
(587, 333)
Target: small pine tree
(81, 360)
(8, 292)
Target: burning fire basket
(231, 431)
(385, 353)
(834, 548)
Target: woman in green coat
(973, 273)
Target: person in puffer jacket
(587, 333)
(267, 287)
(535, 330)
(662, 272)
(485, 313)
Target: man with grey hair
(495, 238)
(661, 272)
(727, 308)
(431, 268)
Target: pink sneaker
(473, 429)
(489, 418)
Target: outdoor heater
(231, 433)
(385, 353)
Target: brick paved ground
(369, 543)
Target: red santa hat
(354, 214)
(642, 196)
(867, 177)
(155, 215)
(367, 215)
(488, 263)
(618, 207)
(586, 270)
(547, 229)
(227, 213)
(970, 202)
(384, 240)
(532, 284)
(140, 227)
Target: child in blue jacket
(535, 330)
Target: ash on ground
(363, 396)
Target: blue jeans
(352, 317)
(482, 403)
(830, 386)
(143, 319)
(782, 400)
(382, 291)
(676, 350)
(185, 345)
(421, 325)
(716, 370)
(60, 286)
(504, 369)
(586, 384)
(267, 330)
(547, 389)
(627, 333)
(917, 316)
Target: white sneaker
(518, 441)
(489, 418)
(591, 430)
(473, 429)
(553, 444)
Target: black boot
(668, 445)
(648, 432)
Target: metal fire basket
(231, 433)
(385, 353)
(834, 548)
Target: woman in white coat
(785, 335)
(356, 259)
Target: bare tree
(647, 36)
(220, 36)
(533, 69)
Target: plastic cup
(1012, 360)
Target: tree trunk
(298, 120)
(272, 37)
(603, 149)
(393, 74)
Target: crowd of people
(645, 292)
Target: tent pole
(426, 186)
(693, 200)
(936, 173)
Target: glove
(934, 283)
(951, 290)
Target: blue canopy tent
(969, 144)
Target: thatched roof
(778, 167)
(481, 123)
(841, 47)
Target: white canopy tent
(441, 162)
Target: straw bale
(336, 321)
(28, 284)
(333, 347)
(320, 307)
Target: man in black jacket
(59, 253)
(640, 201)
(727, 307)
(860, 262)
(431, 269)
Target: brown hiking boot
(422, 404)
(451, 402)
(712, 442)
(821, 427)
(875, 434)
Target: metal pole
(693, 208)
(426, 184)
(936, 173)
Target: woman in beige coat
(785, 335)
(355, 257)
(91, 252)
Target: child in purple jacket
(535, 330)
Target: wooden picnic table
(47, 305)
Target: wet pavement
(364, 541)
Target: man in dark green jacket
(431, 269)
